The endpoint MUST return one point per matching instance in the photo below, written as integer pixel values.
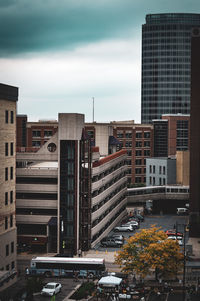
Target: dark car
(111, 242)
(140, 217)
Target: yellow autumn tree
(149, 250)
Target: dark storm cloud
(42, 25)
(31, 26)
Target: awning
(110, 280)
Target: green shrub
(83, 291)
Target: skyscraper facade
(166, 56)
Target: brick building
(137, 139)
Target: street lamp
(184, 257)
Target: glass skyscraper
(166, 54)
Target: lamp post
(184, 257)
(184, 261)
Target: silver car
(124, 228)
(51, 289)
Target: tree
(149, 250)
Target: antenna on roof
(93, 109)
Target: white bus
(67, 267)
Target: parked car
(117, 236)
(178, 239)
(111, 242)
(182, 211)
(124, 228)
(134, 224)
(172, 232)
(51, 288)
(140, 217)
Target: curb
(71, 293)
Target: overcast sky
(62, 53)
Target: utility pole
(184, 259)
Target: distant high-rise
(166, 56)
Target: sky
(63, 53)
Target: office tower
(166, 43)
(8, 235)
(194, 132)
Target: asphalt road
(67, 286)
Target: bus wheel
(91, 276)
(47, 274)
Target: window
(11, 148)
(154, 180)
(163, 181)
(11, 173)
(146, 143)
(12, 265)
(11, 221)
(119, 134)
(11, 117)
(146, 134)
(6, 116)
(138, 134)
(12, 247)
(90, 134)
(138, 153)
(48, 133)
(7, 267)
(128, 134)
(138, 170)
(163, 170)
(6, 198)
(6, 223)
(138, 143)
(11, 197)
(70, 168)
(154, 169)
(150, 168)
(146, 152)
(7, 250)
(36, 143)
(6, 149)
(138, 162)
(150, 180)
(6, 174)
(138, 180)
(160, 181)
(129, 153)
(160, 169)
(36, 133)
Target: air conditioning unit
(196, 32)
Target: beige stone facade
(7, 188)
(183, 167)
